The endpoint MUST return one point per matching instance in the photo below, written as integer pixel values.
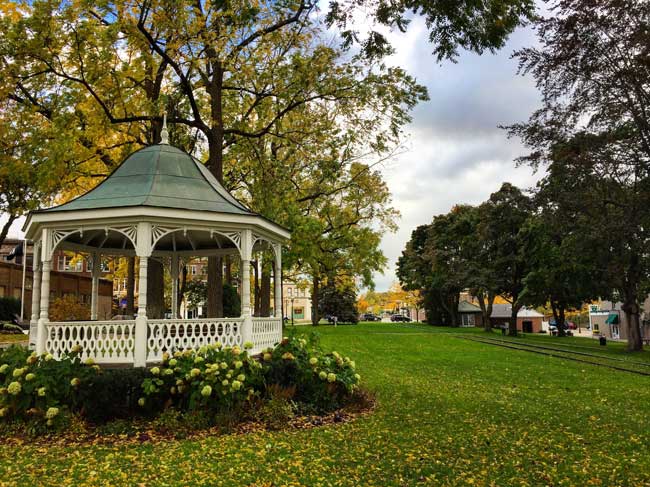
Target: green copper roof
(160, 176)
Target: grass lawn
(451, 412)
(13, 337)
(617, 349)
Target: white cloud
(15, 231)
(457, 152)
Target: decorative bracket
(159, 231)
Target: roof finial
(164, 135)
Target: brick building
(70, 276)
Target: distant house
(528, 320)
(608, 319)
(297, 302)
(470, 314)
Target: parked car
(370, 317)
(397, 318)
(552, 330)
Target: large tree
(505, 217)
(339, 299)
(450, 250)
(482, 279)
(457, 251)
(468, 24)
(433, 263)
(592, 65)
(230, 73)
(564, 270)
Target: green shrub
(231, 301)
(322, 380)
(198, 420)
(173, 422)
(9, 308)
(169, 421)
(118, 427)
(276, 412)
(39, 387)
(213, 378)
(189, 390)
(14, 356)
(112, 394)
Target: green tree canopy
(592, 133)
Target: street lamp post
(292, 300)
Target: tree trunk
(181, 290)
(631, 310)
(486, 309)
(215, 165)
(6, 227)
(561, 329)
(631, 305)
(315, 297)
(512, 325)
(450, 305)
(130, 287)
(155, 290)
(265, 292)
(215, 288)
(228, 265)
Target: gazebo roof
(158, 176)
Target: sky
(455, 152)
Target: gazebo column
(174, 276)
(36, 296)
(143, 251)
(246, 254)
(277, 281)
(45, 305)
(94, 294)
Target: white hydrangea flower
(14, 388)
(52, 413)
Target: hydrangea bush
(40, 387)
(213, 378)
(213, 381)
(321, 379)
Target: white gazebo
(163, 204)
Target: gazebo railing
(103, 341)
(113, 342)
(172, 335)
(267, 332)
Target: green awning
(612, 319)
